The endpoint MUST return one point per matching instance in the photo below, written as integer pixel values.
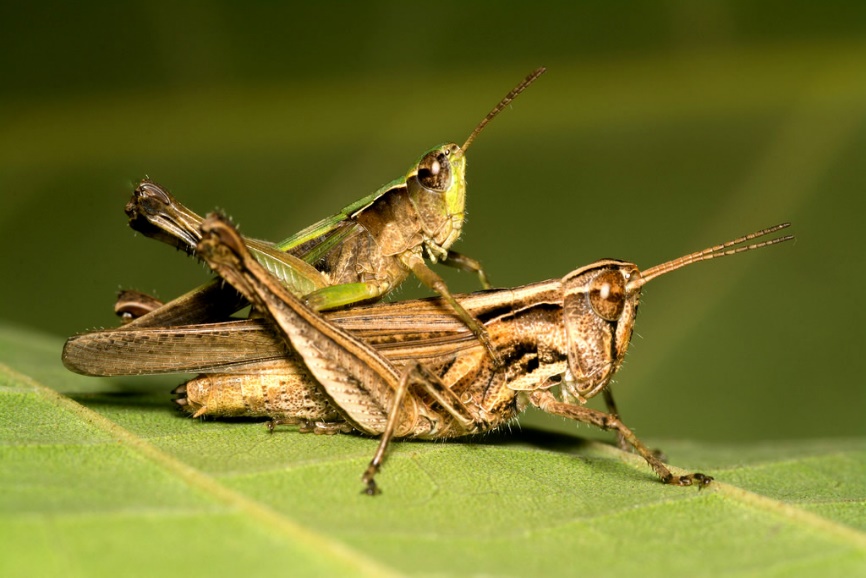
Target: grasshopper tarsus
(371, 488)
(484, 338)
(153, 212)
(701, 480)
(696, 479)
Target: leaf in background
(112, 480)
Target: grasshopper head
(437, 187)
(599, 309)
(437, 184)
(600, 303)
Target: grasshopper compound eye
(607, 295)
(434, 171)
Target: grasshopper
(360, 254)
(406, 369)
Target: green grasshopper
(360, 254)
(406, 369)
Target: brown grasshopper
(360, 254)
(405, 369)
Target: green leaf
(102, 477)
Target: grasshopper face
(599, 309)
(437, 191)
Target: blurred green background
(659, 128)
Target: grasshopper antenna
(723, 250)
(502, 104)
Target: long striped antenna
(723, 250)
(502, 104)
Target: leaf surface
(103, 476)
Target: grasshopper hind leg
(452, 413)
(369, 474)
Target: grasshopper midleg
(367, 249)
(579, 327)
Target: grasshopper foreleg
(545, 401)
(468, 264)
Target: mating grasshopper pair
(408, 369)
(359, 254)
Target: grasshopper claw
(372, 489)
